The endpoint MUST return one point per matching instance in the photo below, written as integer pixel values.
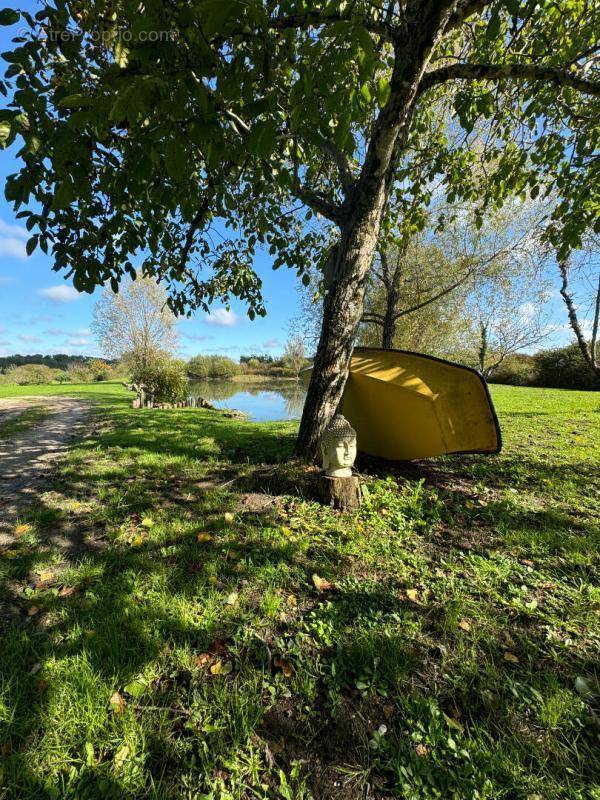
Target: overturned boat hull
(407, 406)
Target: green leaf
(5, 133)
(75, 101)
(493, 28)
(136, 688)
(366, 92)
(8, 16)
(175, 159)
(31, 245)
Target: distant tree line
(56, 361)
(559, 368)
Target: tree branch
(505, 72)
(313, 19)
(318, 203)
(589, 355)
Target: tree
(294, 355)
(135, 321)
(589, 269)
(508, 315)
(262, 115)
(428, 276)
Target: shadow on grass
(363, 655)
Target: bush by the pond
(212, 367)
(31, 375)
(560, 368)
(165, 379)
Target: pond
(260, 401)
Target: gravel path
(27, 458)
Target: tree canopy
(139, 131)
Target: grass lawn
(102, 390)
(191, 651)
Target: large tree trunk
(342, 312)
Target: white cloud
(12, 240)
(7, 280)
(221, 317)
(27, 337)
(271, 344)
(197, 337)
(78, 342)
(60, 294)
(82, 332)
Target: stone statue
(338, 448)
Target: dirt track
(26, 458)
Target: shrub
(30, 375)
(516, 370)
(564, 368)
(212, 367)
(99, 370)
(165, 379)
(79, 373)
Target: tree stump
(341, 493)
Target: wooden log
(341, 493)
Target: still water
(272, 400)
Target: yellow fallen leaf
(204, 537)
(464, 625)
(511, 657)
(137, 541)
(292, 600)
(232, 599)
(285, 667)
(121, 756)
(413, 595)
(117, 703)
(147, 522)
(217, 668)
(321, 585)
(21, 529)
(228, 517)
(46, 575)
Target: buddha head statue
(338, 448)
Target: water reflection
(272, 400)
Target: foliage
(446, 660)
(212, 367)
(56, 361)
(99, 369)
(294, 355)
(30, 374)
(263, 116)
(164, 378)
(564, 368)
(518, 369)
(135, 321)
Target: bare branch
(588, 354)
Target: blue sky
(40, 312)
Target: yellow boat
(407, 406)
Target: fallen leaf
(67, 591)
(321, 585)
(32, 610)
(36, 668)
(204, 537)
(121, 755)
(453, 723)
(292, 600)
(203, 659)
(285, 667)
(228, 517)
(41, 686)
(464, 625)
(46, 577)
(422, 750)
(232, 599)
(137, 541)
(527, 562)
(388, 710)
(117, 703)
(147, 522)
(511, 657)
(135, 688)
(413, 596)
(216, 668)
(22, 529)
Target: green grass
(103, 390)
(441, 664)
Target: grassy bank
(186, 646)
(103, 390)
